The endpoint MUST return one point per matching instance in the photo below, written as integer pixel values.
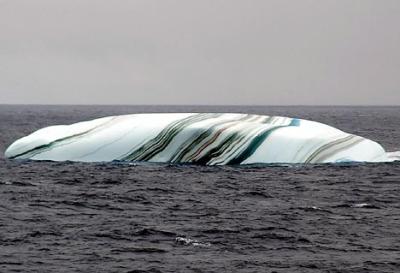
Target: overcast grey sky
(200, 52)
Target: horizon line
(204, 105)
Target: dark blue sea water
(84, 217)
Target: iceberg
(198, 138)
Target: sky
(247, 52)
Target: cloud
(200, 52)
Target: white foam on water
(187, 241)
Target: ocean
(134, 217)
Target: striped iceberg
(198, 138)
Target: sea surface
(113, 217)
